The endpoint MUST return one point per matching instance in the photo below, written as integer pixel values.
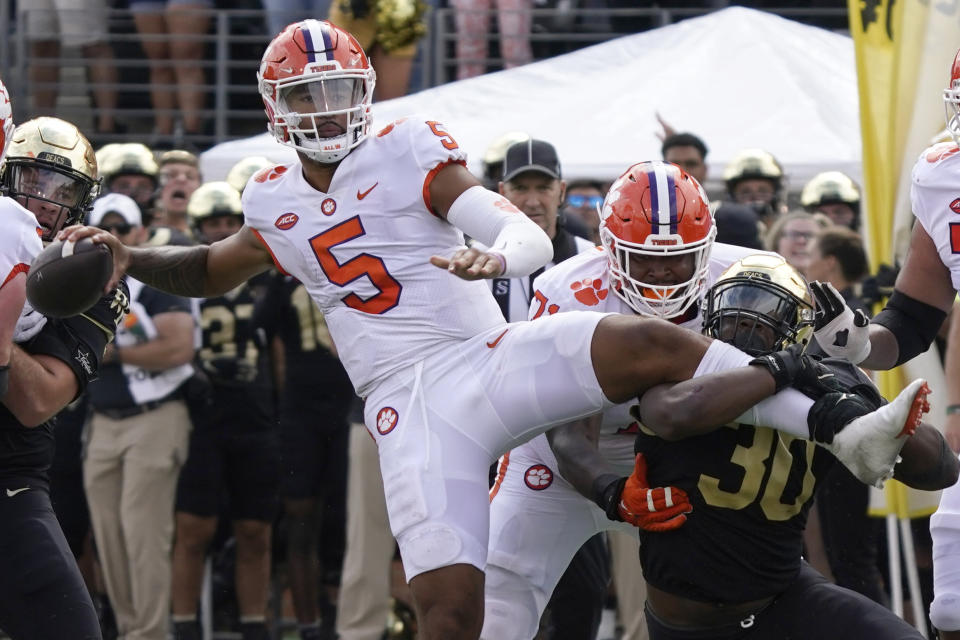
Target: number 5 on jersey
(342, 274)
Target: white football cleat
(869, 446)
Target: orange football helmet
(311, 76)
(951, 99)
(656, 209)
(6, 121)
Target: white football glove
(29, 324)
(840, 332)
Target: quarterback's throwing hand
(840, 332)
(651, 509)
(471, 264)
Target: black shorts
(314, 445)
(42, 594)
(811, 607)
(241, 469)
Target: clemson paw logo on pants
(538, 477)
(387, 420)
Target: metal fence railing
(231, 48)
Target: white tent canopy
(737, 78)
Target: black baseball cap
(530, 155)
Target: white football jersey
(583, 283)
(20, 241)
(363, 250)
(935, 198)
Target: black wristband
(606, 493)
(4, 379)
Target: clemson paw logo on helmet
(589, 291)
(328, 206)
(387, 420)
(538, 477)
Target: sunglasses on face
(117, 228)
(578, 201)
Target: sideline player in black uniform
(233, 445)
(51, 170)
(734, 569)
(315, 401)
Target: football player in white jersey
(537, 517)
(923, 295)
(20, 244)
(364, 219)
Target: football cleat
(869, 446)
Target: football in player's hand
(68, 278)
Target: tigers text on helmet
(51, 170)
(760, 304)
(6, 121)
(951, 100)
(656, 210)
(317, 85)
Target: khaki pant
(365, 584)
(629, 584)
(130, 472)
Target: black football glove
(833, 411)
(840, 332)
(783, 365)
(108, 313)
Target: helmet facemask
(67, 194)
(951, 104)
(333, 94)
(756, 315)
(662, 301)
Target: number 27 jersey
(363, 250)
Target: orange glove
(657, 509)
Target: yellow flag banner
(903, 51)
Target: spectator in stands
(280, 13)
(137, 441)
(173, 33)
(389, 40)
(179, 176)
(791, 236)
(514, 18)
(584, 199)
(754, 177)
(51, 24)
(131, 170)
(231, 439)
(738, 224)
(687, 151)
(315, 397)
(493, 157)
(835, 195)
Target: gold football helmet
(126, 158)
(240, 173)
(51, 170)
(760, 304)
(753, 163)
(213, 199)
(827, 187)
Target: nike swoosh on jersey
(497, 340)
(13, 492)
(362, 195)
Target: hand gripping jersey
(363, 250)
(583, 283)
(935, 198)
